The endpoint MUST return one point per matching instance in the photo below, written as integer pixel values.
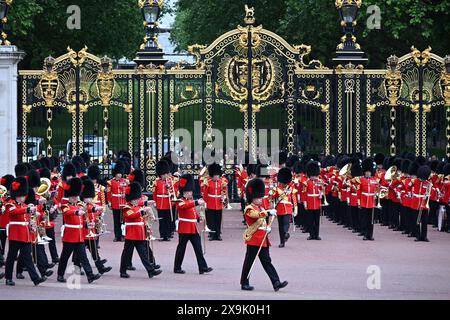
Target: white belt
(368, 194)
(313, 195)
(285, 202)
(19, 223)
(215, 195)
(65, 199)
(117, 195)
(73, 226)
(418, 195)
(162, 195)
(134, 223)
(262, 228)
(187, 220)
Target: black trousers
(117, 218)
(298, 218)
(195, 240)
(52, 244)
(2, 241)
(342, 212)
(403, 218)
(366, 221)
(394, 214)
(283, 226)
(356, 224)
(91, 245)
(24, 250)
(39, 257)
(266, 261)
(143, 251)
(433, 215)
(385, 204)
(421, 229)
(172, 220)
(164, 223)
(150, 253)
(410, 222)
(214, 222)
(314, 222)
(80, 250)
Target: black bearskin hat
(440, 167)
(421, 160)
(6, 181)
(94, 172)
(433, 165)
(446, 169)
(368, 165)
(398, 163)
(45, 173)
(45, 163)
(31, 197)
(72, 188)
(20, 170)
(423, 173)
(56, 162)
(34, 179)
(162, 167)
(214, 170)
(282, 157)
(251, 169)
(19, 188)
(186, 183)
(118, 168)
(412, 171)
(292, 160)
(69, 170)
(137, 176)
(88, 189)
(312, 169)
(379, 159)
(79, 163)
(133, 192)
(356, 170)
(255, 189)
(406, 163)
(284, 175)
(86, 158)
(36, 164)
(298, 167)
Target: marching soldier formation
(403, 193)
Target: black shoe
(405, 232)
(286, 236)
(154, 273)
(410, 235)
(51, 265)
(365, 238)
(48, 273)
(20, 276)
(39, 281)
(180, 271)
(103, 261)
(105, 270)
(56, 260)
(116, 240)
(279, 285)
(209, 269)
(281, 245)
(310, 238)
(93, 277)
(304, 231)
(61, 279)
(124, 275)
(219, 238)
(131, 268)
(397, 229)
(10, 283)
(82, 273)
(156, 266)
(318, 238)
(247, 287)
(164, 239)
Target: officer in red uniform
(263, 174)
(421, 190)
(90, 232)
(163, 194)
(213, 189)
(116, 198)
(314, 190)
(256, 236)
(285, 196)
(19, 233)
(353, 203)
(72, 231)
(4, 218)
(187, 226)
(368, 189)
(136, 235)
(100, 191)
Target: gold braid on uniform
(260, 223)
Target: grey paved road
(334, 268)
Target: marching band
(404, 193)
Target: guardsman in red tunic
(285, 196)
(343, 192)
(314, 189)
(263, 174)
(406, 197)
(187, 226)
(445, 199)
(136, 232)
(421, 190)
(94, 211)
(435, 193)
(116, 198)
(354, 182)
(163, 195)
(256, 236)
(4, 218)
(19, 232)
(404, 200)
(379, 159)
(368, 189)
(395, 197)
(69, 172)
(100, 191)
(214, 189)
(72, 234)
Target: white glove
(295, 212)
(268, 230)
(272, 212)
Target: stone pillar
(10, 56)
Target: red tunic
(73, 224)
(161, 193)
(116, 193)
(311, 190)
(266, 201)
(59, 200)
(19, 222)
(251, 214)
(4, 217)
(285, 198)
(93, 216)
(212, 192)
(134, 223)
(418, 194)
(354, 192)
(368, 189)
(187, 217)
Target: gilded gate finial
(249, 15)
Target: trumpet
(427, 197)
(91, 233)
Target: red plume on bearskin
(15, 185)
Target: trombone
(44, 192)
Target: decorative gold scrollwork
(421, 58)
(105, 81)
(49, 83)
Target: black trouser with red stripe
(421, 228)
(183, 239)
(39, 257)
(164, 223)
(367, 216)
(117, 216)
(266, 261)
(143, 251)
(214, 222)
(313, 222)
(78, 249)
(24, 250)
(52, 244)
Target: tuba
(345, 171)
(3, 191)
(391, 173)
(44, 191)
